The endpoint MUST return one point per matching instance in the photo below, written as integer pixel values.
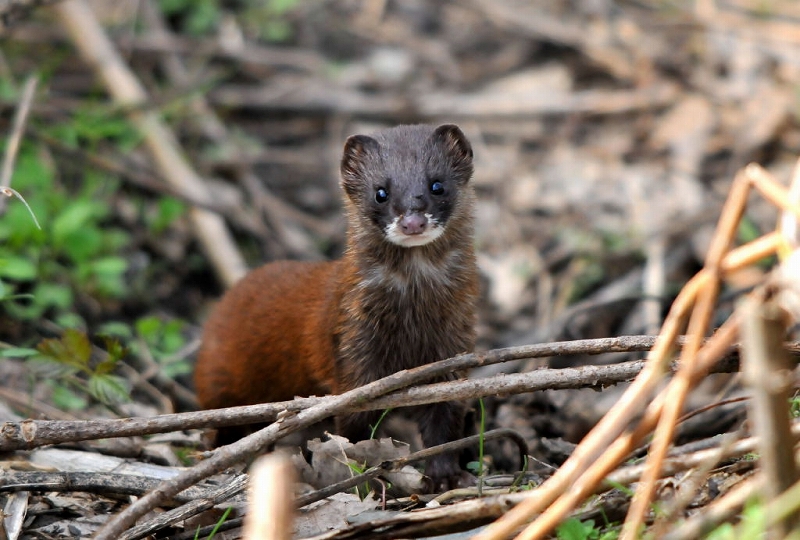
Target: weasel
(402, 295)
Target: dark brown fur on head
(392, 175)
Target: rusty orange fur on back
(269, 338)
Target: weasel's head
(407, 182)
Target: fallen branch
(318, 96)
(30, 434)
(101, 483)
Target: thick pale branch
(98, 50)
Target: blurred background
(606, 135)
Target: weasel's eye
(437, 188)
(381, 196)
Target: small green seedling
(219, 523)
(374, 429)
(477, 467)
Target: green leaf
(18, 352)
(49, 368)
(203, 17)
(748, 230)
(78, 345)
(33, 172)
(105, 367)
(73, 218)
(27, 310)
(53, 294)
(277, 31)
(73, 348)
(64, 132)
(117, 329)
(754, 520)
(723, 532)
(148, 327)
(279, 7)
(115, 240)
(173, 369)
(172, 339)
(70, 320)
(168, 209)
(8, 90)
(109, 389)
(170, 7)
(95, 123)
(574, 529)
(116, 351)
(111, 286)
(18, 268)
(64, 398)
(110, 266)
(18, 230)
(83, 244)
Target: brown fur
(297, 329)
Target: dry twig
(17, 129)
(271, 492)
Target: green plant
(163, 341)
(217, 525)
(517, 483)
(187, 455)
(68, 364)
(753, 524)
(261, 19)
(164, 213)
(154, 337)
(78, 252)
(268, 19)
(374, 428)
(574, 529)
(195, 17)
(794, 405)
(74, 252)
(621, 487)
(356, 469)
(478, 467)
(749, 231)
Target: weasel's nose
(413, 224)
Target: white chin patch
(396, 236)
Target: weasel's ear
(354, 159)
(454, 141)
(456, 149)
